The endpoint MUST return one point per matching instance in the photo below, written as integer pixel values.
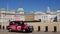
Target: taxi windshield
(16, 22)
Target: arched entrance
(46, 28)
(55, 29)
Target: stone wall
(43, 25)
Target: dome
(48, 10)
(20, 9)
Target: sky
(31, 5)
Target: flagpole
(7, 7)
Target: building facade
(10, 15)
(48, 16)
(29, 17)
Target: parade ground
(34, 32)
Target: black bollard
(46, 29)
(55, 29)
(6, 27)
(3, 27)
(0, 26)
(38, 28)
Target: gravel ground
(34, 32)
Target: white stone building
(48, 16)
(58, 15)
(9, 15)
